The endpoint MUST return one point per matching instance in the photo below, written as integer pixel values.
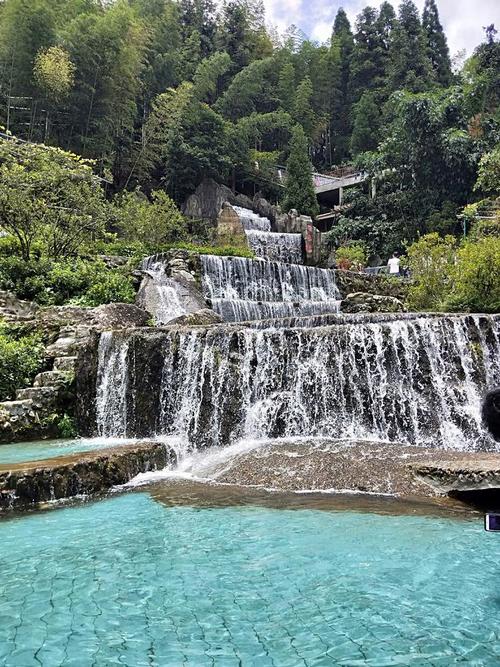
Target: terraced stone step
(50, 379)
(65, 364)
(40, 396)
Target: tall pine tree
(365, 74)
(299, 187)
(410, 66)
(340, 110)
(437, 47)
(365, 132)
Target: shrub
(431, 260)
(476, 283)
(152, 223)
(86, 282)
(351, 257)
(21, 358)
(109, 286)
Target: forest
(155, 95)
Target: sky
(463, 20)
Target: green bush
(88, 282)
(110, 287)
(476, 277)
(431, 260)
(21, 358)
(351, 257)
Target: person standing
(393, 264)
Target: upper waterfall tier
(276, 247)
(256, 280)
(251, 220)
(417, 381)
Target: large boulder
(14, 309)
(207, 200)
(201, 318)
(363, 302)
(230, 230)
(119, 316)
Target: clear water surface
(131, 581)
(20, 452)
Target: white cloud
(463, 20)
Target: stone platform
(87, 473)
(364, 467)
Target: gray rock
(202, 317)
(120, 316)
(362, 302)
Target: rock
(164, 298)
(12, 308)
(26, 484)
(357, 281)
(230, 231)
(65, 364)
(362, 302)
(51, 379)
(120, 316)
(264, 208)
(207, 200)
(201, 317)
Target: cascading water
(416, 381)
(164, 295)
(241, 289)
(267, 244)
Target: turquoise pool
(131, 581)
(46, 449)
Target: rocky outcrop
(200, 318)
(107, 316)
(354, 281)
(362, 302)
(27, 484)
(14, 309)
(230, 231)
(207, 200)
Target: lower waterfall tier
(416, 381)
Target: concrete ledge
(86, 473)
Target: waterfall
(164, 298)
(276, 247)
(241, 289)
(267, 244)
(417, 381)
(251, 220)
(111, 385)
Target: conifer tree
(365, 74)
(365, 132)
(410, 67)
(299, 188)
(340, 59)
(437, 47)
(385, 25)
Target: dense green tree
(48, 196)
(287, 86)
(302, 110)
(365, 132)
(249, 91)
(340, 59)
(26, 27)
(410, 67)
(299, 188)
(365, 73)
(108, 51)
(437, 47)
